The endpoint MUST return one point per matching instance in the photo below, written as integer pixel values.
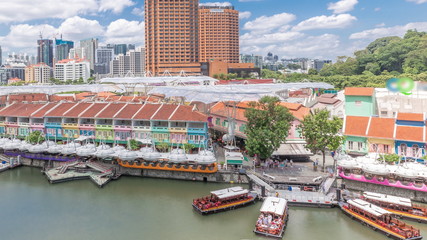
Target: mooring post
(263, 191)
(251, 187)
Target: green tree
(163, 147)
(321, 133)
(134, 144)
(312, 71)
(188, 147)
(268, 126)
(35, 137)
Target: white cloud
(218, 4)
(326, 22)
(252, 38)
(380, 25)
(124, 31)
(77, 28)
(25, 35)
(116, 6)
(22, 10)
(417, 1)
(269, 23)
(138, 11)
(342, 6)
(245, 14)
(390, 31)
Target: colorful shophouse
(107, 122)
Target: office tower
(218, 34)
(1, 57)
(38, 73)
(120, 49)
(171, 36)
(45, 51)
(103, 57)
(72, 70)
(89, 46)
(131, 64)
(63, 48)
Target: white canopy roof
(388, 199)
(52, 89)
(232, 92)
(161, 81)
(229, 192)
(274, 205)
(368, 207)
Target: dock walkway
(258, 181)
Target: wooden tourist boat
(379, 219)
(273, 218)
(223, 200)
(398, 205)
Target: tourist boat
(398, 205)
(379, 219)
(273, 218)
(224, 199)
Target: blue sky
(297, 28)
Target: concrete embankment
(361, 186)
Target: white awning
(292, 149)
(274, 205)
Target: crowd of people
(270, 224)
(211, 201)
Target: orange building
(218, 34)
(171, 36)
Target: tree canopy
(321, 132)
(35, 137)
(268, 126)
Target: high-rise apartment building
(89, 46)
(62, 49)
(39, 73)
(45, 51)
(132, 63)
(171, 36)
(218, 34)
(72, 70)
(103, 57)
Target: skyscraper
(45, 51)
(103, 57)
(131, 63)
(171, 36)
(89, 45)
(1, 57)
(219, 34)
(63, 48)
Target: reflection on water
(143, 208)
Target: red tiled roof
(223, 110)
(327, 100)
(186, 113)
(42, 111)
(356, 126)
(77, 109)
(147, 111)
(409, 133)
(327, 95)
(60, 110)
(128, 111)
(359, 91)
(410, 117)
(381, 128)
(57, 98)
(111, 110)
(165, 112)
(20, 110)
(27, 97)
(93, 110)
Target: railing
(53, 124)
(11, 123)
(24, 124)
(104, 126)
(87, 125)
(70, 124)
(197, 129)
(122, 127)
(160, 128)
(40, 156)
(37, 124)
(142, 127)
(178, 128)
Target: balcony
(11, 123)
(37, 125)
(178, 129)
(72, 125)
(160, 128)
(146, 128)
(122, 127)
(53, 124)
(104, 126)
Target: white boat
(38, 148)
(24, 146)
(273, 218)
(86, 151)
(12, 144)
(205, 157)
(127, 155)
(377, 169)
(177, 156)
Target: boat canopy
(229, 192)
(368, 207)
(388, 199)
(274, 205)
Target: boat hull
(171, 167)
(226, 207)
(408, 216)
(375, 226)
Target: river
(144, 208)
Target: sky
(322, 29)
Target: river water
(144, 208)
